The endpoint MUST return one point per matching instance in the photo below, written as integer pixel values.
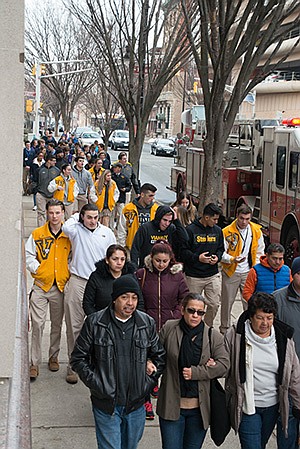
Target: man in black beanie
(112, 357)
(165, 226)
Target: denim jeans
(185, 433)
(291, 442)
(255, 430)
(119, 431)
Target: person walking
(201, 254)
(108, 194)
(47, 254)
(42, 177)
(244, 245)
(90, 241)
(112, 357)
(136, 214)
(65, 189)
(124, 186)
(97, 294)
(269, 274)
(163, 287)
(85, 184)
(264, 370)
(288, 311)
(193, 359)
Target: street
(155, 170)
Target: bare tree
(102, 105)
(53, 34)
(241, 36)
(143, 45)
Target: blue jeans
(119, 431)
(185, 433)
(291, 442)
(255, 430)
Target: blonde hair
(101, 181)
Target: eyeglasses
(193, 311)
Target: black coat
(98, 289)
(95, 359)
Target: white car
(119, 139)
(88, 138)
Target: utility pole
(39, 76)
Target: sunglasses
(193, 311)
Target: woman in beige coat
(183, 402)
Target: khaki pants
(74, 314)
(68, 211)
(116, 213)
(230, 287)
(211, 287)
(41, 202)
(38, 306)
(79, 202)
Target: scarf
(189, 354)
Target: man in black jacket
(201, 254)
(112, 357)
(124, 186)
(165, 226)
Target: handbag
(219, 415)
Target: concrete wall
(11, 145)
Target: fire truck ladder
(256, 210)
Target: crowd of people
(140, 284)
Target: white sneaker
(34, 208)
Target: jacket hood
(176, 268)
(264, 261)
(137, 204)
(161, 211)
(103, 270)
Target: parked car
(119, 139)
(88, 138)
(163, 147)
(81, 129)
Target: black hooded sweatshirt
(150, 233)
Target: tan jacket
(168, 405)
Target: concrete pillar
(14, 428)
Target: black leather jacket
(94, 358)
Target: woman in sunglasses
(184, 402)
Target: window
(280, 166)
(293, 170)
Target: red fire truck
(273, 190)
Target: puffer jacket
(98, 290)
(162, 291)
(95, 359)
(288, 372)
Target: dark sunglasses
(193, 311)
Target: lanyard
(244, 239)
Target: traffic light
(33, 71)
(29, 106)
(41, 106)
(195, 87)
(43, 69)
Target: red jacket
(162, 291)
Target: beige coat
(168, 405)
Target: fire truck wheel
(292, 245)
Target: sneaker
(34, 372)
(149, 411)
(72, 377)
(53, 364)
(34, 208)
(154, 392)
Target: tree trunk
(212, 173)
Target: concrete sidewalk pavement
(61, 413)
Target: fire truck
(270, 183)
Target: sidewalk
(61, 413)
